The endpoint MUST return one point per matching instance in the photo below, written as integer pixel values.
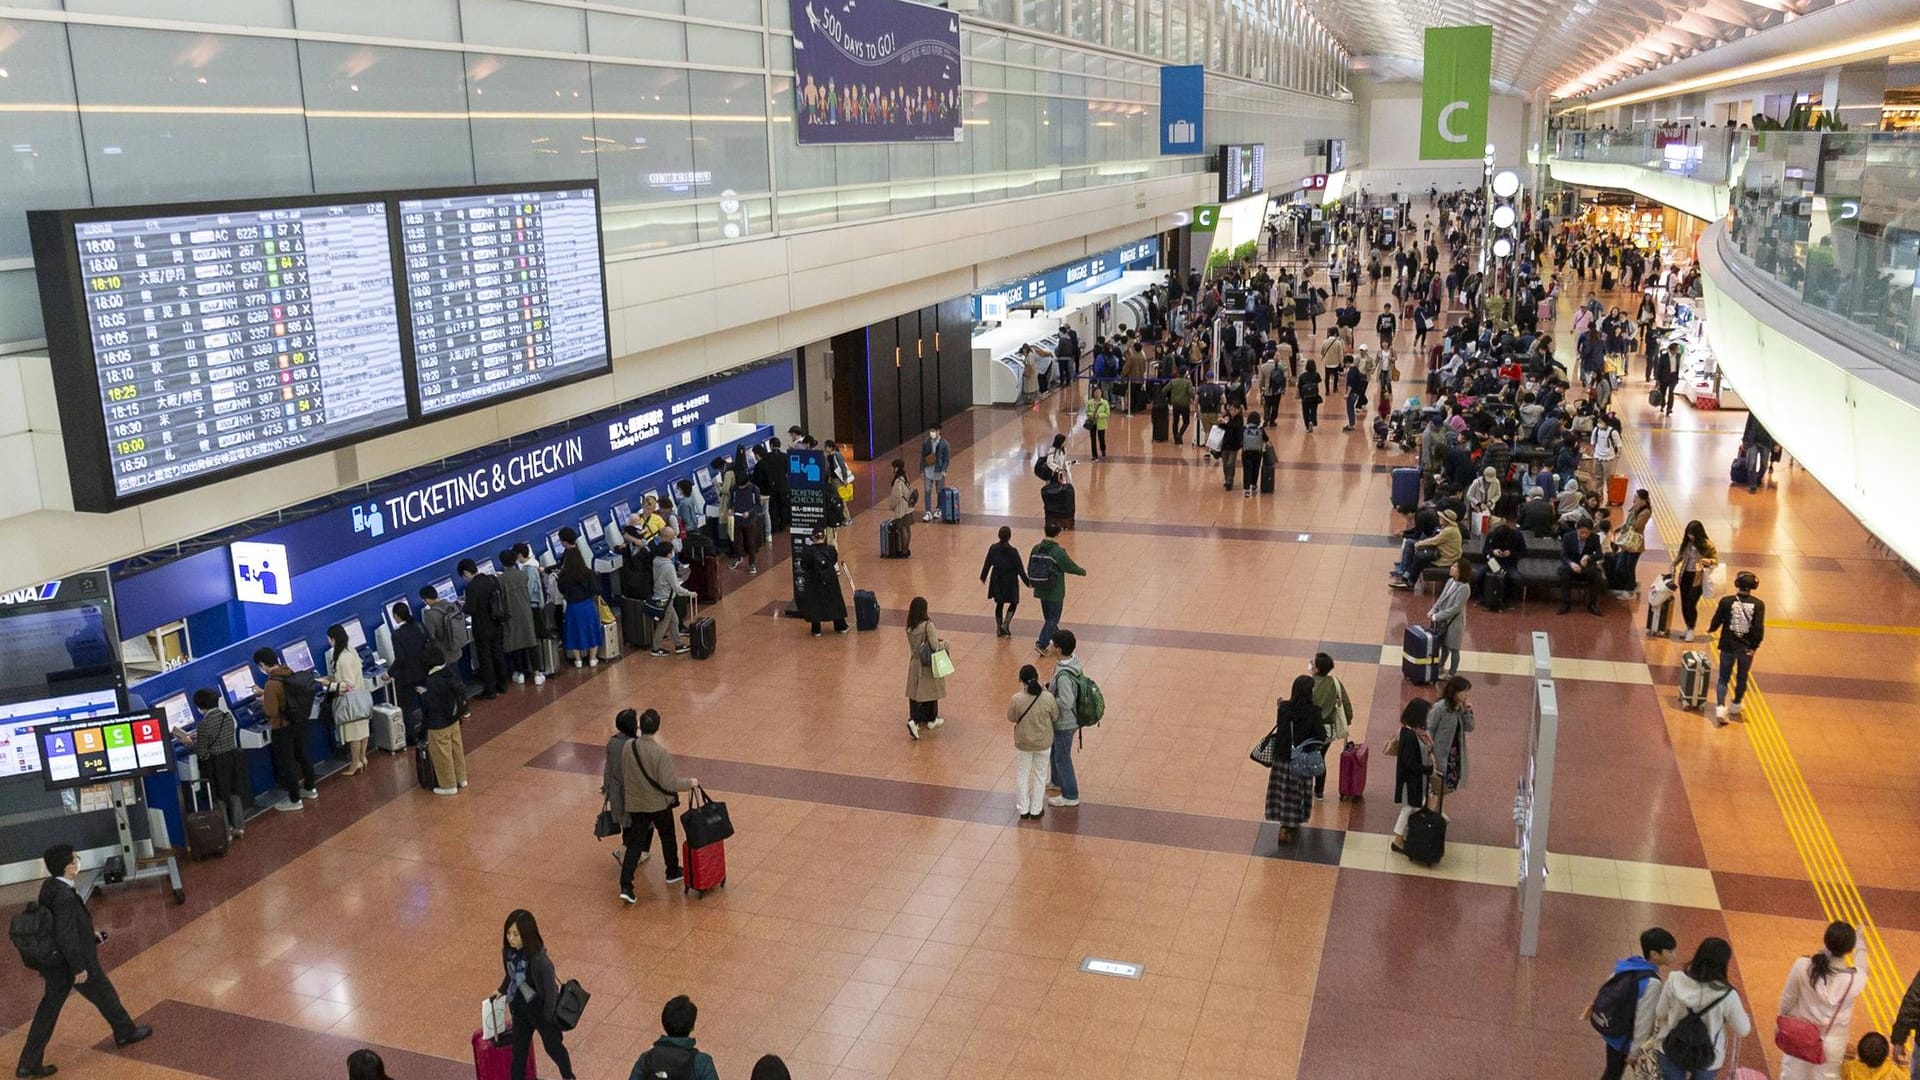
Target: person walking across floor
(1003, 574)
(1606, 450)
(533, 993)
(1700, 990)
(613, 792)
(1692, 561)
(1448, 722)
(1232, 441)
(1298, 729)
(1336, 710)
(925, 689)
(440, 707)
(1099, 413)
(673, 1055)
(1819, 993)
(1310, 397)
(1051, 590)
(69, 961)
(1741, 620)
(1253, 454)
(1412, 766)
(1032, 712)
(1905, 1023)
(1179, 392)
(651, 787)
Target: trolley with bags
(706, 827)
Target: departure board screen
(221, 341)
(506, 293)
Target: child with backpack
(1699, 1009)
(1623, 1010)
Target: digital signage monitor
(356, 633)
(297, 655)
(238, 684)
(103, 749)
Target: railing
(1826, 220)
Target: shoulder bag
(634, 745)
(706, 821)
(1799, 1038)
(1264, 751)
(1342, 714)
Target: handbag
(353, 705)
(570, 1005)
(844, 489)
(940, 664)
(1263, 751)
(606, 823)
(1342, 718)
(1393, 744)
(1798, 1038)
(606, 613)
(494, 1019)
(1309, 759)
(706, 821)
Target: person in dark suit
(413, 656)
(486, 607)
(78, 968)
(1580, 559)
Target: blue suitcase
(866, 610)
(950, 505)
(1420, 656)
(1406, 489)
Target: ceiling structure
(1562, 47)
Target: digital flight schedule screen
(506, 293)
(80, 753)
(223, 340)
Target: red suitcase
(1353, 771)
(705, 867)
(491, 1061)
(1616, 490)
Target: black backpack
(665, 1063)
(32, 934)
(1041, 469)
(299, 689)
(1616, 1003)
(1690, 1044)
(1040, 568)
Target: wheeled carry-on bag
(1162, 416)
(701, 636)
(610, 639)
(1493, 590)
(1660, 618)
(1696, 679)
(549, 656)
(1353, 771)
(866, 610)
(423, 765)
(206, 829)
(705, 868)
(635, 623)
(1268, 467)
(1406, 489)
(949, 505)
(388, 729)
(889, 541)
(1420, 656)
(1616, 490)
(1426, 841)
(1057, 502)
(491, 1060)
(703, 578)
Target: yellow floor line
(1826, 868)
(1843, 628)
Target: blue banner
(875, 71)
(1183, 109)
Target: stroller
(1403, 426)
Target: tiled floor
(886, 915)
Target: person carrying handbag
(650, 787)
(352, 701)
(1816, 1005)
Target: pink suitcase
(490, 1061)
(1353, 771)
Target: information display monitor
(554, 547)
(444, 587)
(703, 479)
(20, 749)
(194, 341)
(591, 528)
(386, 610)
(621, 512)
(1243, 170)
(505, 290)
(356, 633)
(176, 711)
(297, 655)
(81, 753)
(239, 684)
(487, 566)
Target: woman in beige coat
(924, 688)
(900, 504)
(1031, 712)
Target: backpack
(665, 1063)
(1690, 1044)
(32, 934)
(1040, 568)
(1616, 1003)
(300, 689)
(1041, 469)
(1089, 704)
(1277, 381)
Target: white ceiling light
(1502, 247)
(1506, 183)
(1503, 216)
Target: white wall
(1392, 125)
(674, 317)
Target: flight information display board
(506, 292)
(230, 337)
(80, 753)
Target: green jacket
(1056, 589)
(1098, 410)
(1180, 392)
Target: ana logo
(32, 594)
(368, 519)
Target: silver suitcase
(610, 639)
(389, 729)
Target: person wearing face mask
(1448, 722)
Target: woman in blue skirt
(580, 635)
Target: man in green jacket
(1050, 588)
(1180, 396)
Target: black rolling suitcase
(423, 765)
(636, 626)
(701, 634)
(206, 829)
(890, 541)
(1057, 502)
(1162, 415)
(866, 610)
(1493, 590)
(1426, 841)
(1268, 466)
